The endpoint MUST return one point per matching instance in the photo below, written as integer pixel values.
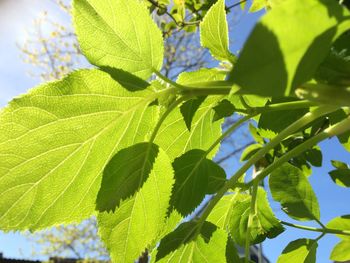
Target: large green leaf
(265, 224)
(291, 188)
(299, 251)
(287, 45)
(214, 32)
(340, 223)
(180, 246)
(174, 136)
(341, 252)
(139, 220)
(192, 173)
(119, 34)
(55, 142)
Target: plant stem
(167, 80)
(307, 118)
(334, 130)
(250, 222)
(321, 230)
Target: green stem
(321, 230)
(250, 222)
(334, 130)
(169, 81)
(307, 118)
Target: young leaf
(264, 225)
(258, 5)
(214, 32)
(299, 251)
(209, 246)
(249, 151)
(290, 187)
(341, 252)
(138, 221)
(55, 142)
(275, 59)
(340, 223)
(192, 172)
(341, 177)
(119, 34)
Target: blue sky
(14, 81)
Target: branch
(233, 153)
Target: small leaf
(223, 109)
(255, 134)
(314, 156)
(249, 151)
(290, 187)
(275, 60)
(214, 32)
(189, 108)
(300, 250)
(120, 34)
(264, 224)
(339, 165)
(258, 5)
(209, 246)
(340, 223)
(139, 220)
(192, 172)
(341, 252)
(341, 177)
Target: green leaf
(249, 151)
(255, 134)
(221, 213)
(189, 108)
(339, 164)
(174, 136)
(125, 174)
(209, 246)
(290, 187)
(214, 32)
(340, 223)
(314, 156)
(265, 224)
(119, 34)
(258, 5)
(139, 220)
(341, 252)
(223, 109)
(192, 173)
(275, 60)
(55, 142)
(299, 251)
(341, 177)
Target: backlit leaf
(139, 220)
(299, 251)
(119, 34)
(55, 142)
(291, 188)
